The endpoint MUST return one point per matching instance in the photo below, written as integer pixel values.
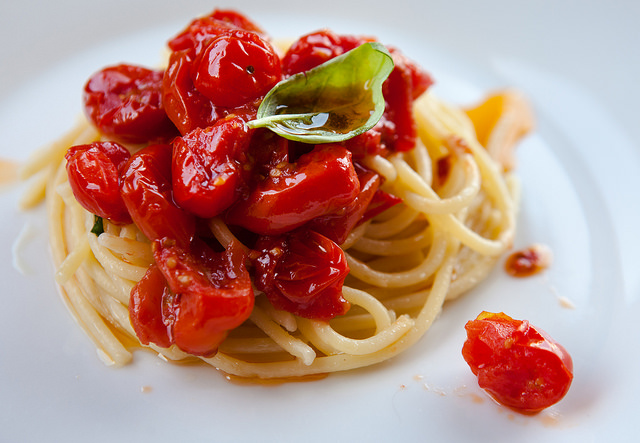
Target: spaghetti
(457, 216)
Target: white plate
(578, 64)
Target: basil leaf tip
(332, 102)
(98, 225)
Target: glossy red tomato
(235, 68)
(517, 364)
(94, 170)
(406, 82)
(370, 202)
(206, 170)
(125, 102)
(302, 272)
(214, 293)
(151, 309)
(187, 108)
(321, 182)
(201, 30)
(147, 194)
(316, 48)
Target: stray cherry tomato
(214, 293)
(146, 191)
(94, 170)
(321, 182)
(517, 364)
(206, 169)
(302, 272)
(235, 68)
(151, 309)
(125, 102)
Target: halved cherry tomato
(206, 168)
(146, 191)
(235, 68)
(517, 364)
(320, 182)
(125, 102)
(94, 170)
(302, 272)
(214, 292)
(151, 309)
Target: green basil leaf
(332, 102)
(98, 226)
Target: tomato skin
(214, 292)
(320, 182)
(93, 171)
(151, 309)
(125, 103)
(146, 191)
(206, 167)
(302, 272)
(235, 68)
(517, 364)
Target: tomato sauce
(529, 261)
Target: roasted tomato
(206, 169)
(316, 48)
(517, 364)
(187, 108)
(302, 272)
(368, 203)
(151, 309)
(235, 68)
(321, 182)
(94, 173)
(201, 30)
(213, 293)
(125, 102)
(146, 191)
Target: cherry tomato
(214, 292)
(151, 309)
(206, 170)
(187, 108)
(146, 191)
(201, 30)
(405, 83)
(125, 102)
(316, 48)
(94, 170)
(302, 272)
(517, 364)
(370, 202)
(235, 68)
(320, 182)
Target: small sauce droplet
(529, 261)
